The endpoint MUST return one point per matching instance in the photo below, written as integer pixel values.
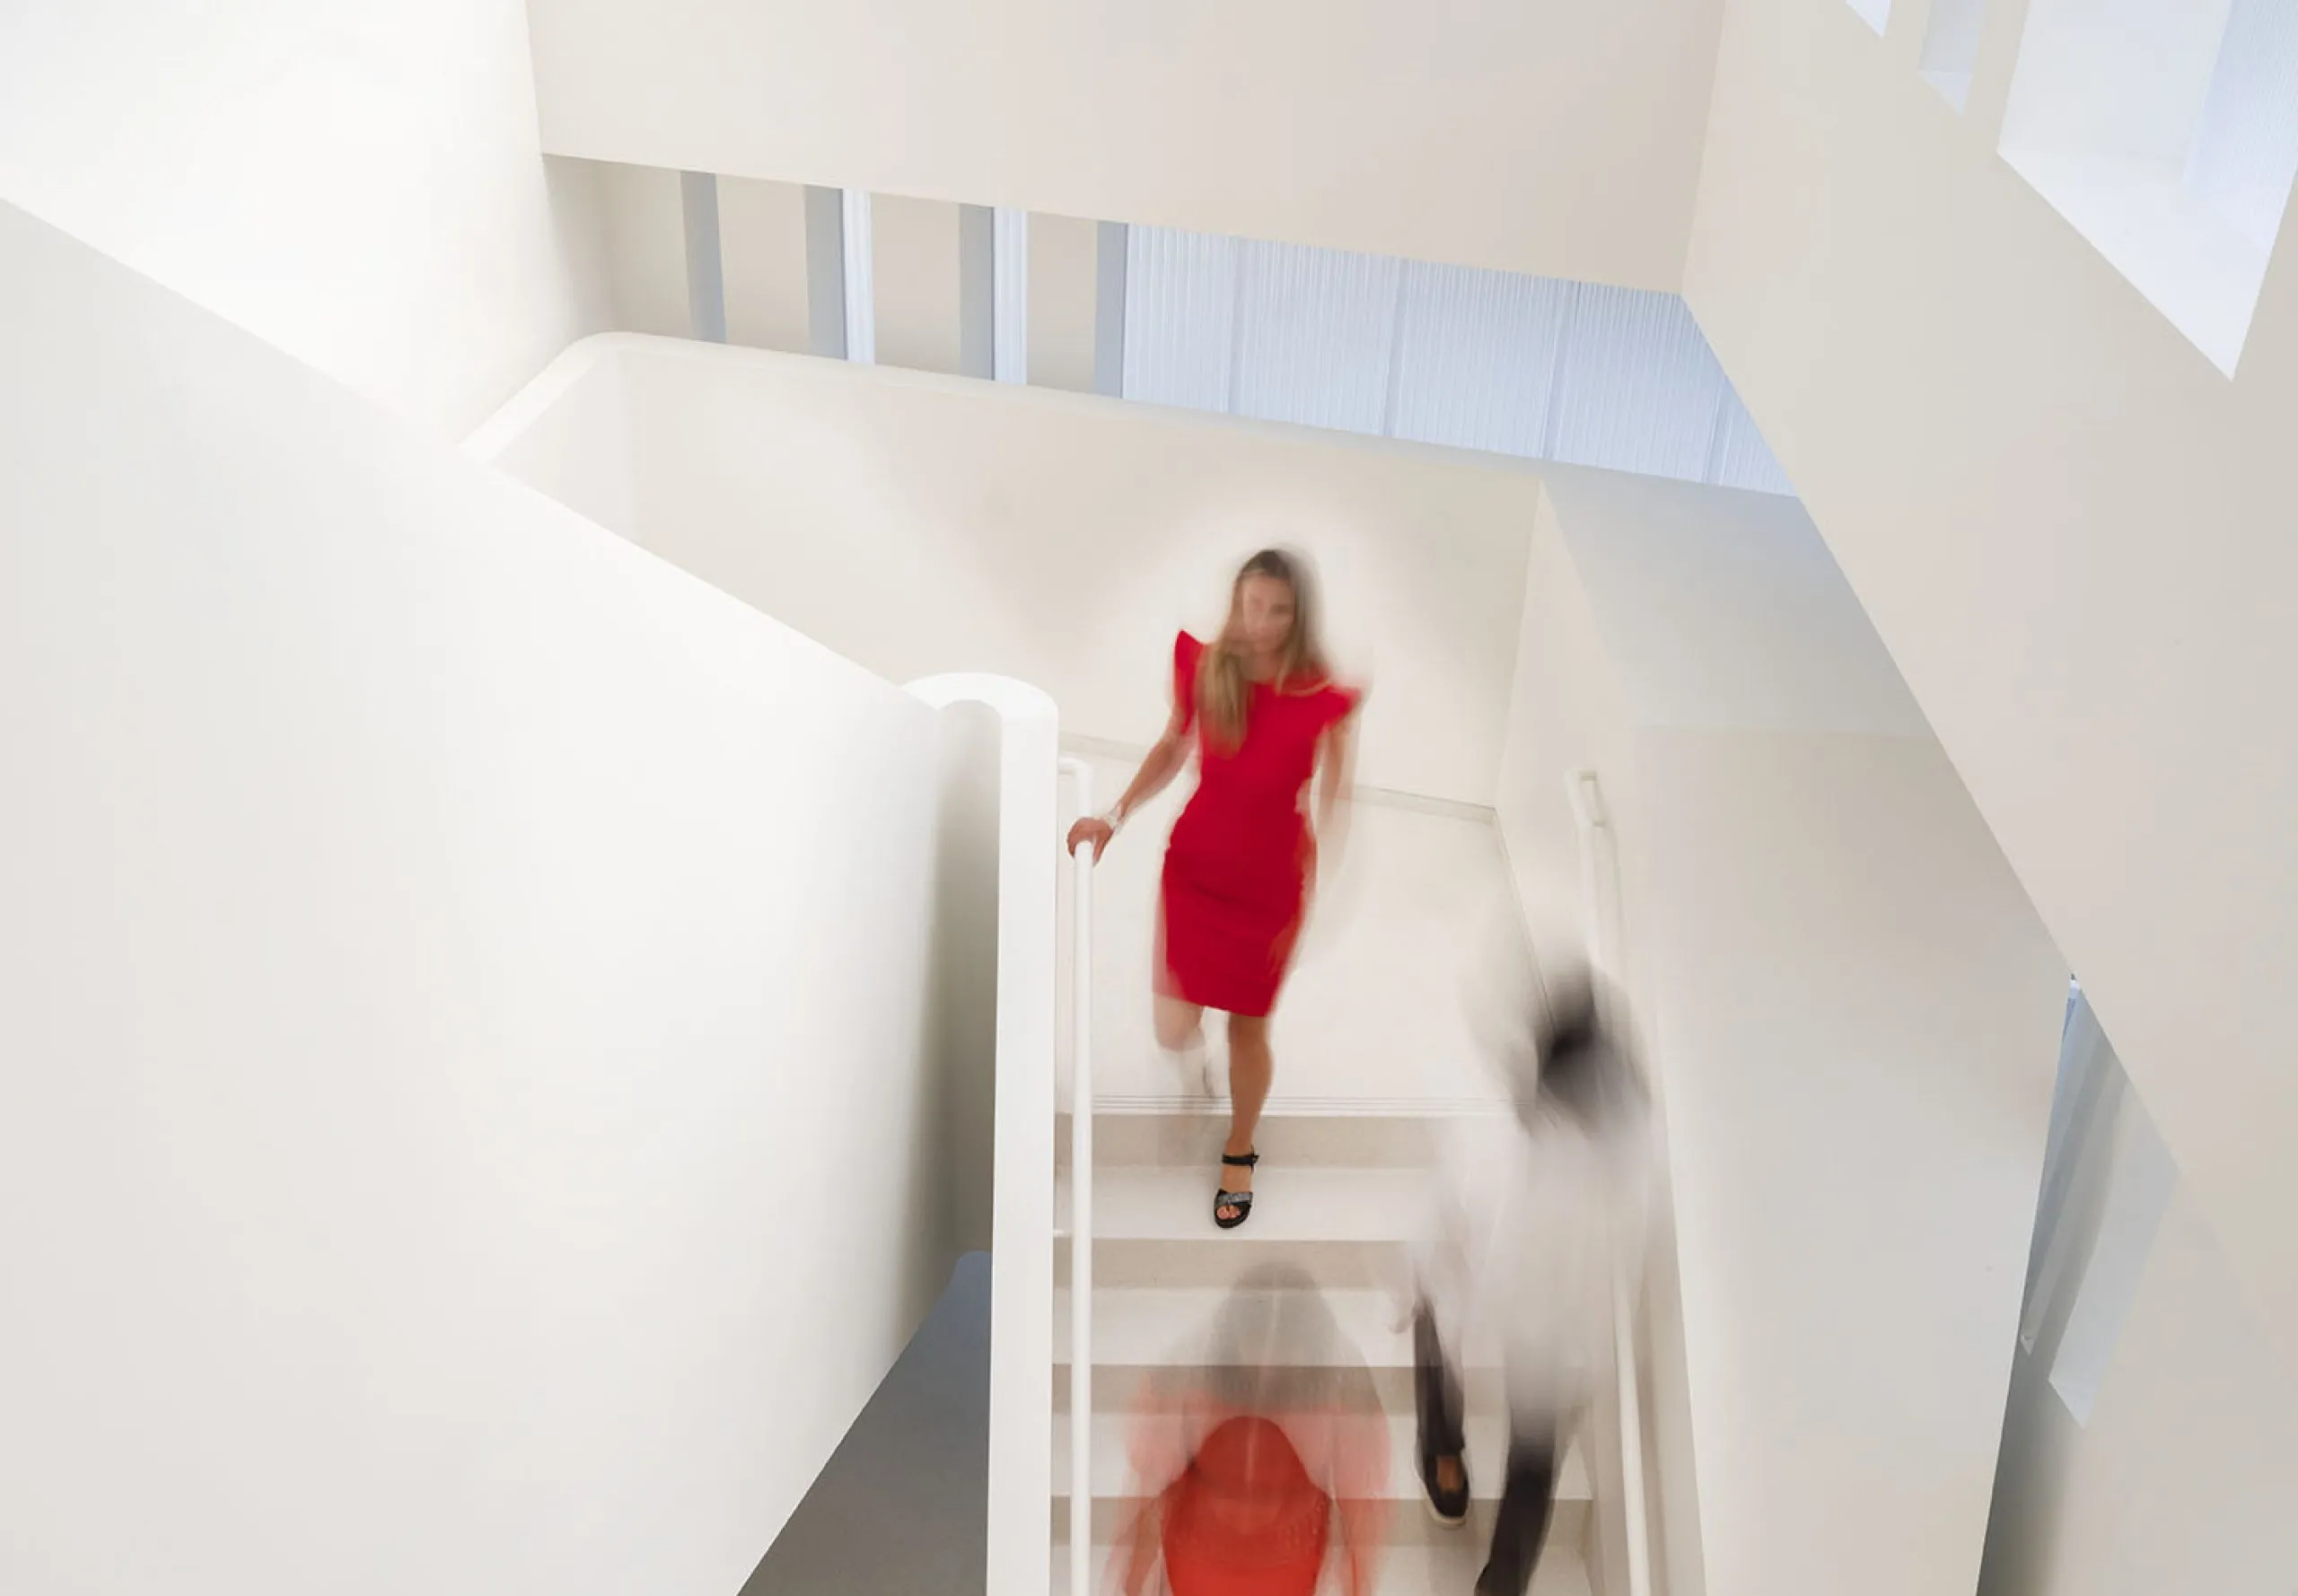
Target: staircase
(1373, 1053)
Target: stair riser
(1192, 1137)
(1217, 1261)
(1409, 1525)
(1115, 1387)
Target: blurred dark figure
(1264, 1464)
(1536, 1213)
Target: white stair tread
(1405, 1570)
(1159, 1328)
(1153, 1204)
(1487, 1440)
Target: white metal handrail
(1588, 816)
(1081, 1201)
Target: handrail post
(1589, 818)
(1631, 1451)
(1080, 1204)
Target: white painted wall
(1651, 602)
(920, 524)
(361, 185)
(1063, 264)
(762, 237)
(645, 223)
(1551, 136)
(914, 282)
(431, 1012)
(1721, 609)
(1567, 712)
(595, 483)
(1855, 1007)
(2073, 532)
(1852, 1009)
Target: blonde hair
(1223, 695)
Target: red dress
(1245, 1520)
(1237, 868)
(1257, 1503)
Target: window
(1951, 46)
(1468, 357)
(2081, 1106)
(2108, 1179)
(2245, 154)
(2140, 1180)
(2166, 131)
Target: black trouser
(1528, 1495)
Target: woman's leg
(1251, 1070)
(1437, 1401)
(1521, 1525)
(1180, 1025)
(1181, 1032)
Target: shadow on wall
(902, 1507)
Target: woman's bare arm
(1166, 760)
(1336, 779)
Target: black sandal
(1241, 1201)
(1448, 1508)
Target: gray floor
(901, 1509)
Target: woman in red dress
(1266, 718)
(1260, 1460)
